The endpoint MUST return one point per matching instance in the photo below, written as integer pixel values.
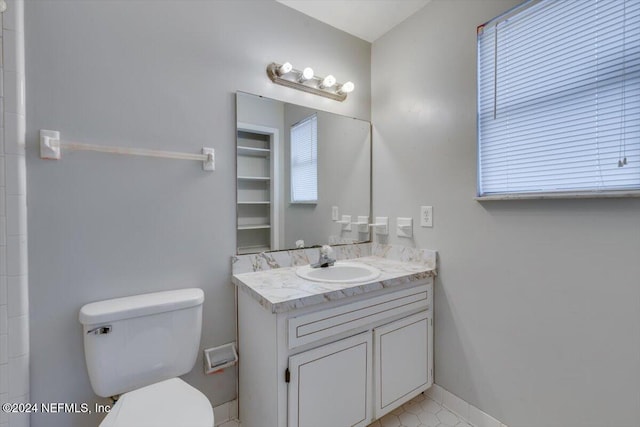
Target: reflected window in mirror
(304, 160)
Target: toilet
(136, 348)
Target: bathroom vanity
(333, 354)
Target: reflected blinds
(304, 161)
(559, 98)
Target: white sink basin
(341, 272)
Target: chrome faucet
(325, 260)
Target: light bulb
(307, 74)
(347, 87)
(328, 82)
(284, 68)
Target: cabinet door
(402, 361)
(331, 385)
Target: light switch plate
(426, 216)
(210, 163)
(335, 213)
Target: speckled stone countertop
(281, 289)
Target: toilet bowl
(169, 403)
(136, 347)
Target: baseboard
(229, 410)
(464, 410)
(225, 412)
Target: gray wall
(157, 75)
(538, 302)
(260, 111)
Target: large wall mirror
(296, 169)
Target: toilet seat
(169, 403)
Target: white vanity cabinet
(339, 363)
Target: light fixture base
(272, 72)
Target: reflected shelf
(254, 178)
(252, 249)
(252, 151)
(253, 227)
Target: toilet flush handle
(100, 330)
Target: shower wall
(14, 301)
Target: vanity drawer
(325, 323)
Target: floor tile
(399, 410)
(448, 418)
(413, 407)
(409, 420)
(421, 411)
(428, 419)
(390, 420)
(431, 406)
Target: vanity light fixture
(306, 81)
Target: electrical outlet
(426, 216)
(335, 215)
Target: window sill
(567, 195)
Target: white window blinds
(304, 161)
(559, 98)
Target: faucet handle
(326, 250)
(325, 261)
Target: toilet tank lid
(139, 305)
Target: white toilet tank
(136, 341)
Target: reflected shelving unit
(257, 196)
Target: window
(304, 161)
(559, 98)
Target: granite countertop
(281, 289)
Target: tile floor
(422, 411)
(419, 412)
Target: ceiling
(366, 19)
